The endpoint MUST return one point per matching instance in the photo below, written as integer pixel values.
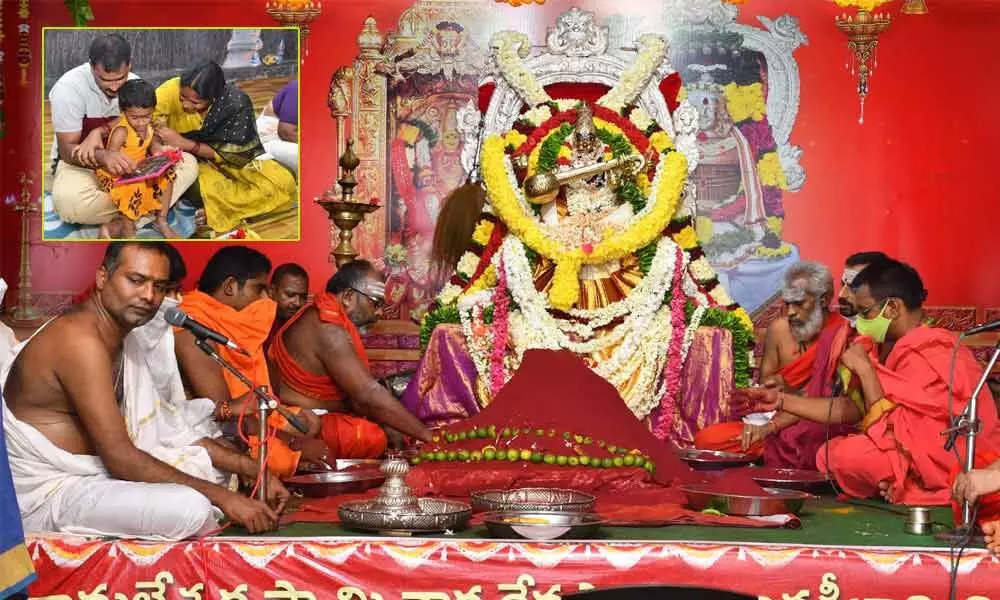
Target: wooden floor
(278, 225)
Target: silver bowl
(334, 483)
(532, 499)
(542, 525)
(774, 502)
(710, 460)
(432, 515)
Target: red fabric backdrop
(914, 180)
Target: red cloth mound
(737, 482)
(554, 395)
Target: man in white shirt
(84, 104)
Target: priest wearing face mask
(902, 367)
(854, 264)
(232, 299)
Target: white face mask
(150, 334)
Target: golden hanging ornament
(862, 31)
(914, 7)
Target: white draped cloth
(71, 493)
(286, 153)
(7, 339)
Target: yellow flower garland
(486, 281)
(643, 231)
(745, 102)
(686, 238)
(483, 232)
(770, 171)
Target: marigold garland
(644, 230)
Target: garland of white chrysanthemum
(652, 51)
(642, 339)
(638, 308)
(509, 48)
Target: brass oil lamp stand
(24, 314)
(345, 212)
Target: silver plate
(334, 483)
(532, 499)
(774, 502)
(709, 460)
(542, 525)
(434, 515)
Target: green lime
(481, 432)
(640, 461)
(573, 461)
(415, 460)
(578, 438)
(612, 449)
(492, 430)
(629, 460)
(513, 455)
(549, 459)
(476, 455)
(585, 460)
(450, 437)
(505, 432)
(539, 432)
(606, 463)
(567, 435)
(440, 455)
(525, 454)
(452, 455)
(435, 438)
(561, 460)
(588, 440)
(489, 454)
(463, 455)
(536, 457)
(618, 461)
(463, 435)
(595, 462)
(650, 467)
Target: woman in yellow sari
(202, 115)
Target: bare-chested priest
(77, 401)
(801, 353)
(323, 366)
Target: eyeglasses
(376, 302)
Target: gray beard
(808, 331)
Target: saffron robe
(794, 447)
(248, 329)
(904, 446)
(346, 435)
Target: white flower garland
(509, 47)
(652, 51)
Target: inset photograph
(170, 133)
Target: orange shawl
(247, 328)
(315, 385)
(915, 380)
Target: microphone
(992, 325)
(179, 318)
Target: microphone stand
(969, 425)
(265, 403)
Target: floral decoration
(511, 47)
(652, 50)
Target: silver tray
(542, 525)
(790, 479)
(775, 502)
(435, 515)
(710, 460)
(532, 499)
(334, 483)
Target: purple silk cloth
(706, 386)
(444, 388)
(286, 103)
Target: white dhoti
(70, 493)
(286, 153)
(8, 341)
